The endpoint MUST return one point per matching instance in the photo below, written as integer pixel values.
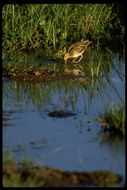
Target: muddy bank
(41, 75)
(49, 177)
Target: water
(74, 143)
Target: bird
(76, 50)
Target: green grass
(55, 26)
(114, 118)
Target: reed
(55, 26)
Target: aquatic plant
(113, 119)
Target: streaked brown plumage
(76, 50)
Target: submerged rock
(61, 114)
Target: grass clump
(114, 119)
(55, 26)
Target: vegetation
(94, 65)
(32, 176)
(114, 119)
(51, 28)
(55, 26)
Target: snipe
(76, 50)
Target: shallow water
(74, 143)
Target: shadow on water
(70, 143)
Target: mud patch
(39, 75)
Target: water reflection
(71, 143)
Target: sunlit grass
(55, 26)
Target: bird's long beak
(88, 44)
(91, 42)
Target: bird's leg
(81, 56)
(74, 59)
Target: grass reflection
(64, 94)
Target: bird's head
(87, 43)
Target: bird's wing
(78, 48)
(73, 45)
